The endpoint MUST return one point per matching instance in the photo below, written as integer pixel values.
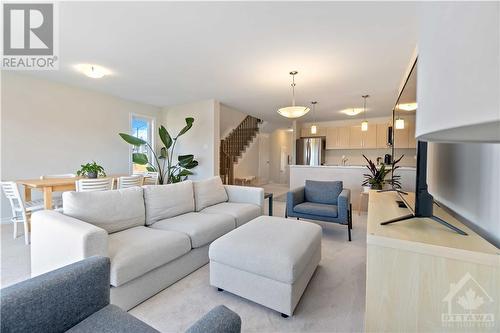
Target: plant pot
(366, 189)
(376, 187)
(91, 174)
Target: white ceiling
(240, 53)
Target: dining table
(49, 185)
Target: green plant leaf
(191, 165)
(185, 159)
(189, 124)
(132, 139)
(151, 168)
(184, 173)
(165, 137)
(163, 153)
(140, 158)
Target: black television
(423, 205)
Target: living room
(217, 166)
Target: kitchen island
(350, 175)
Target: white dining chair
(129, 181)
(58, 176)
(150, 178)
(20, 208)
(98, 184)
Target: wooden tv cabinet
(420, 274)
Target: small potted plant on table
(91, 170)
(376, 178)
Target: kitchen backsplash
(355, 156)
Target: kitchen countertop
(343, 166)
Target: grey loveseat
(326, 201)
(154, 235)
(75, 298)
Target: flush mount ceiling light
(352, 111)
(408, 106)
(293, 111)
(364, 123)
(314, 128)
(93, 71)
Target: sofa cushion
(113, 211)
(317, 209)
(241, 212)
(209, 192)
(273, 247)
(201, 228)
(134, 252)
(112, 319)
(164, 201)
(325, 192)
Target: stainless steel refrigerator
(310, 151)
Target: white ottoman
(269, 260)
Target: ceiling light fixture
(364, 123)
(293, 111)
(400, 123)
(408, 106)
(352, 111)
(93, 71)
(314, 128)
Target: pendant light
(399, 123)
(364, 123)
(293, 111)
(314, 128)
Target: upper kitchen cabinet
(306, 132)
(337, 138)
(359, 139)
(458, 72)
(382, 130)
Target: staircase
(234, 145)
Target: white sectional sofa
(154, 235)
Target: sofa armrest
(58, 240)
(58, 300)
(245, 194)
(293, 198)
(343, 203)
(218, 320)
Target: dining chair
(20, 208)
(150, 178)
(98, 184)
(129, 181)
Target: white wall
(466, 178)
(50, 128)
(458, 71)
(281, 140)
(202, 139)
(229, 119)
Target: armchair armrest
(246, 194)
(58, 300)
(293, 198)
(343, 203)
(58, 240)
(218, 320)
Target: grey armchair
(75, 298)
(322, 201)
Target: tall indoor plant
(168, 170)
(376, 178)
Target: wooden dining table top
(47, 182)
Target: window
(142, 127)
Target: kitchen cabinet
(382, 135)
(412, 141)
(401, 137)
(337, 138)
(306, 132)
(359, 139)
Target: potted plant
(376, 178)
(168, 170)
(91, 170)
